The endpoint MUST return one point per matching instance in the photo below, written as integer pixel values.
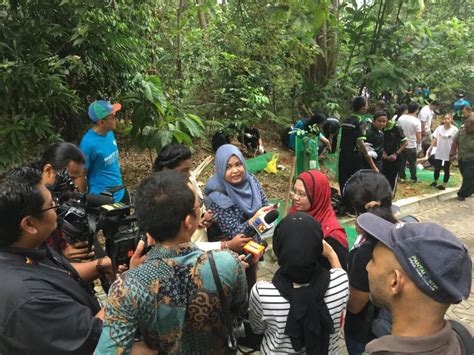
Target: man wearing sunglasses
(45, 307)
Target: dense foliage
(178, 63)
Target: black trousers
(408, 154)
(349, 163)
(437, 168)
(390, 170)
(467, 171)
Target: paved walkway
(458, 217)
(454, 215)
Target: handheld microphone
(254, 251)
(262, 224)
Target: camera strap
(232, 342)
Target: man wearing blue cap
(417, 271)
(100, 149)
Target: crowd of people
(190, 287)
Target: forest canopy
(186, 67)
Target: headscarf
(246, 194)
(298, 244)
(318, 191)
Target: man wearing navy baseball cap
(417, 271)
(101, 152)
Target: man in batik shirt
(171, 299)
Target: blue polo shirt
(102, 163)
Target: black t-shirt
(393, 138)
(358, 326)
(376, 138)
(351, 133)
(43, 307)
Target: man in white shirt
(412, 129)
(426, 117)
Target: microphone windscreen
(98, 200)
(271, 216)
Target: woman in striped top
(300, 310)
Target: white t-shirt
(268, 312)
(426, 116)
(410, 126)
(444, 141)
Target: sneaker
(460, 198)
(402, 181)
(434, 183)
(441, 187)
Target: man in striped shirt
(298, 287)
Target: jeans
(467, 171)
(408, 154)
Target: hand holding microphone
(254, 251)
(263, 222)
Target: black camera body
(81, 216)
(121, 231)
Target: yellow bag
(271, 167)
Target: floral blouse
(232, 220)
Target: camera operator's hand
(79, 250)
(138, 256)
(237, 243)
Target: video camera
(81, 216)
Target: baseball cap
(100, 109)
(435, 260)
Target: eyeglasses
(300, 194)
(55, 204)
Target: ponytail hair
(368, 191)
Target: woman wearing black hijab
(300, 310)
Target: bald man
(417, 271)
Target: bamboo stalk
(290, 185)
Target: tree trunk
(333, 43)
(318, 70)
(324, 65)
(201, 15)
(179, 13)
(375, 39)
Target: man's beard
(380, 302)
